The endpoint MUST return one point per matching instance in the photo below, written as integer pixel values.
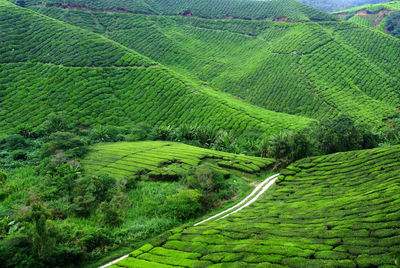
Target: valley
(224, 133)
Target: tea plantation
(339, 210)
(112, 112)
(274, 9)
(318, 70)
(50, 66)
(164, 159)
(383, 17)
(334, 5)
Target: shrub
(91, 191)
(113, 212)
(67, 142)
(3, 177)
(57, 122)
(27, 131)
(184, 205)
(287, 146)
(15, 141)
(104, 134)
(339, 135)
(19, 155)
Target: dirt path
(242, 204)
(254, 195)
(114, 261)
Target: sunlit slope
(375, 16)
(164, 159)
(246, 9)
(372, 8)
(318, 70)
(29, 36)
(49, 66)
(334, 5)
(339, 210)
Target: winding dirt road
(254, 195)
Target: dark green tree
(20, 3)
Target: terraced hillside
(164, 159)
(339, 210)
(383, 17)
(245, 9)
(48, 66)
(318, 70)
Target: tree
(339, 135)
(20, 3)
(42, 239)
(57, 122)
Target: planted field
(50, 66)
(318, 70)
(339, 210)
(245, 9)
(372, 8)
(333, 5)
(29, 36)
(164, 159)
(383, 17)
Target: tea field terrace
(317, 70)
(339, 210)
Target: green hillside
(199, 133)
(337, 210)
(166, 159)
(73, 212)
(336, 5)
(49, 66)
(317, 70)
(245, 9)
(383, 17)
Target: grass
(317, 70)
(164, 159)
(338, 210)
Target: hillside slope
(335, 5)
(164, 159)
(246, 9)
(48, 66)
(338, 210)
(384, 17)
(318, 70)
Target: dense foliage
(244, 9)
(64, 213)
(339, 210)
(59, 214)
(309, 69)
(393, 24)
